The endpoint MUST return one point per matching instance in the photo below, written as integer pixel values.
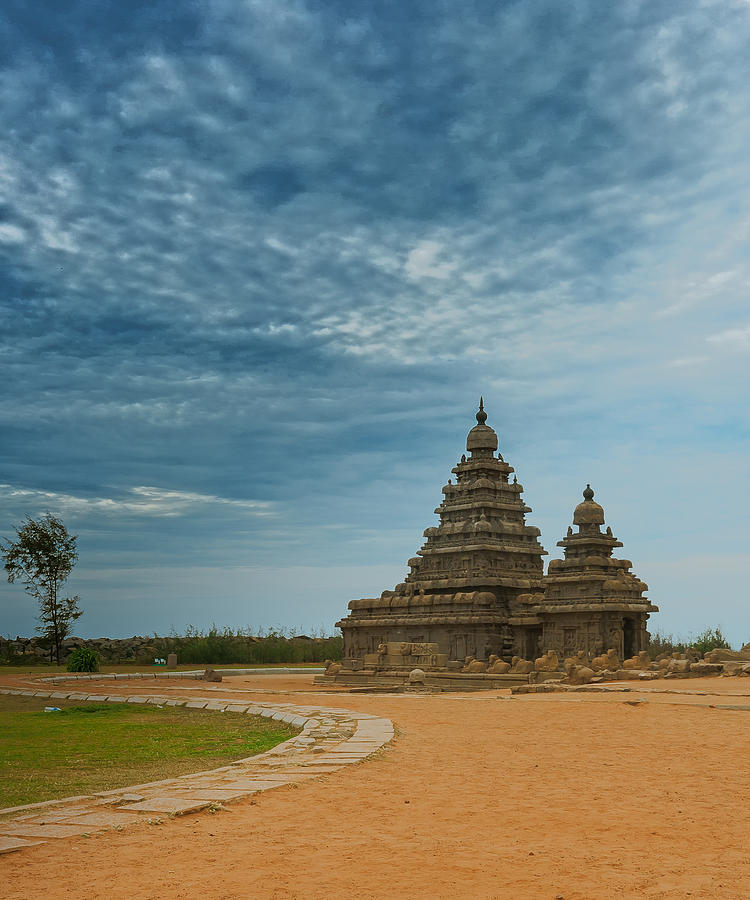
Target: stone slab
(41, 831)
(250, 786)
(217, 795)
(105, 819)
(195, 704)
(168, 805)
(114, 797)
(9, 844)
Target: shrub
(711, 639)
(84, 659)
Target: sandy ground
(478, 796)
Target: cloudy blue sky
(259, 259)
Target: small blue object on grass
(52, 709)
(159, 662)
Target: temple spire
(481, 415)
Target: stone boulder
(704, 668)
(211, 675)
(416, 676)
(720, 654)
(678, 668)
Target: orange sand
(478, 796)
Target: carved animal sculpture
(474, 667)
(607, 660)
(580, 675)
(521, 666)
(580, 659)
(548, 662)
(332, 668)
(498, 667)
(641, 661)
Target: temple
(592, 601)
(476, 593)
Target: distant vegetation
(216, 646)
(229, 646)
(710, 639)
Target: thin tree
(42, 558)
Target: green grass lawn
(98, 746)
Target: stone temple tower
(477, 571)
(593, 601)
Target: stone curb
(331, 738)
(195, 674)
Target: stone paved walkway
(331, 738)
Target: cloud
(422, 262)
(137, 501)
(732, 337)
(278, 251)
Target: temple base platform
(434, 681)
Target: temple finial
(588, 494)
(481, 415)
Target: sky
(260, 258)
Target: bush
(709, 639)
(241, 647)
(83, 660)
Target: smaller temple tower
(593, 601)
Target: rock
(211, 675)
(678, 667)
(416, 676)
(720, 654)
(172, 661)
(704, 668)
